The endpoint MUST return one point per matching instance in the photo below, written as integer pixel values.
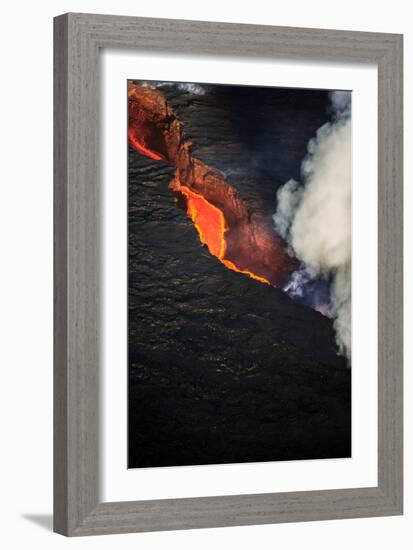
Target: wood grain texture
(60, 277)
(390, 273)
(78, 38)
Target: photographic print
(239, 274)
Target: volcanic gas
(242, 239)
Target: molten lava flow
(141, 147)
(210, 224)
(208, 220)
(242, 239)
(232, 266)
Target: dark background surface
(223, 368)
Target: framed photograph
(228, 274)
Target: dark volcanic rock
(222, 368)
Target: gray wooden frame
(77, 506)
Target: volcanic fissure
(241, 239)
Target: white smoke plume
(189, 87)
(340, 102)
(315, 216)
(288, 199)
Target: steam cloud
(188, 87)
(315, 219)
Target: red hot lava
(242, 240)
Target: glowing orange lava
(230, 265)
(140, 146)
(238, 236)
(210, 224)
(208, 220)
